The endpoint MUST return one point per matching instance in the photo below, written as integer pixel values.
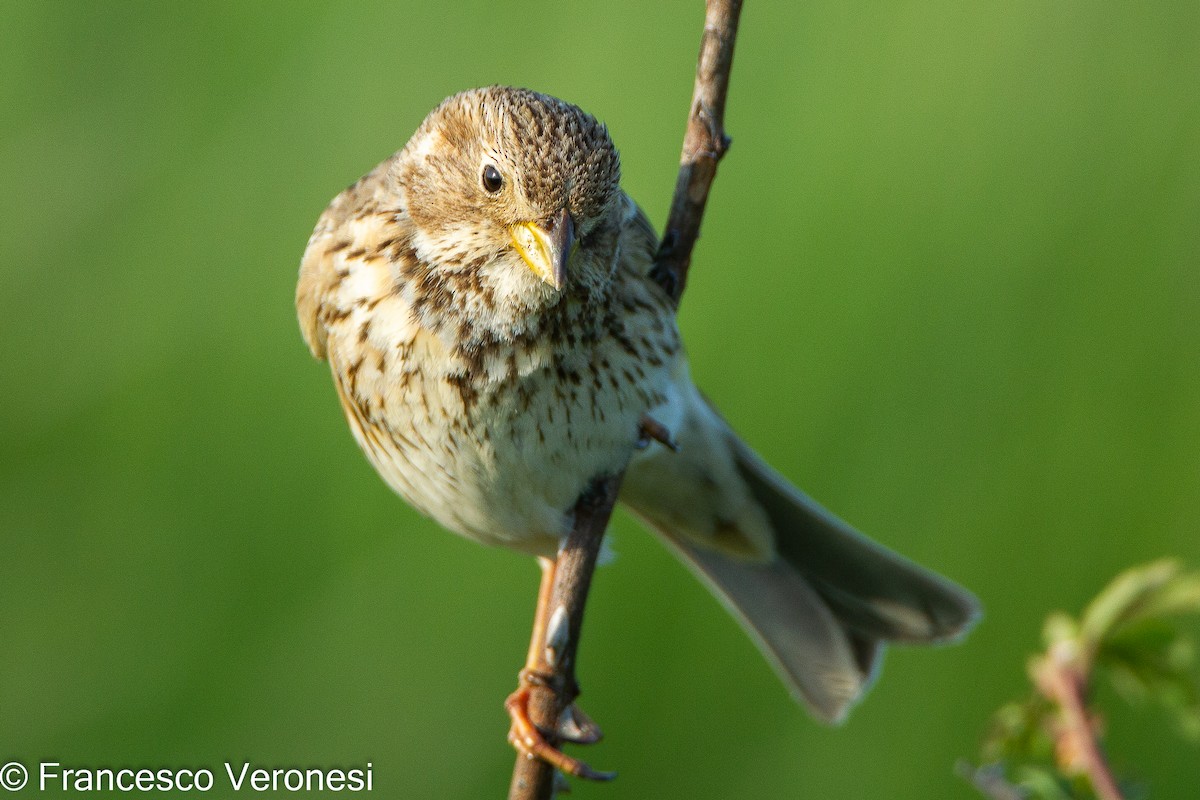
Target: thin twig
(1062, 679)
(990, 781)
(534, 779)
(704, 144)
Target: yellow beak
(546, 250)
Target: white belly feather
(504, 461)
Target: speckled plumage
(483, 396)
(490, 397)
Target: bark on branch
(1062, 676)
(533, 778)
(704, 144)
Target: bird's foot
(573, 726)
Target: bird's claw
(576, 727)
(573, 726)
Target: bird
(498, 341)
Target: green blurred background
(948, 283)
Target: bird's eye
(492, 179)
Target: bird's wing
(816, 596)
(638, 242)
(354, 224)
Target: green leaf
(1020, 732)
(1181, 595)
(1044, 783)
(1155, 662)
(1059, 627)
(1124, 600)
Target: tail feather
(873, 590)
(819, 599)
(826, 666)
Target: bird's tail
(817, 597)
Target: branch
(1061, 679)
(533, 778)
(1126, 635)
(704, 144)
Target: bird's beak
(546, 250)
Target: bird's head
(516, 187)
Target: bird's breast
(497, 441)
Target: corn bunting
(485, 303)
